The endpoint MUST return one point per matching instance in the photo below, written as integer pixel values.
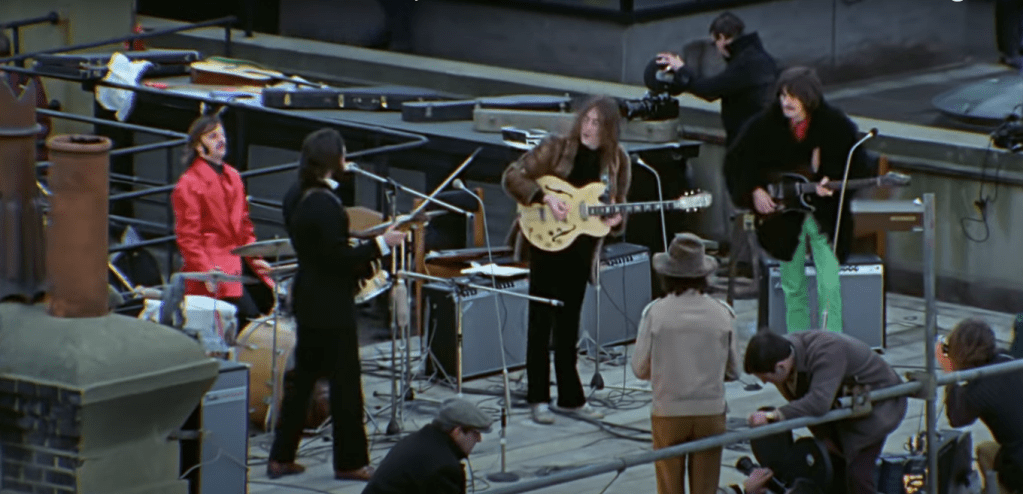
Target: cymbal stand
(276, 374)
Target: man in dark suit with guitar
(323, 301)
(799, 132)
(589, 153)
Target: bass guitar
(585, 212)
(794, 191)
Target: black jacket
(323, 293)
(994, 401)
(766, 146)
(745, 85)
(425, 462)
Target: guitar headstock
(693, 200)
(894, 179)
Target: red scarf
(799, 129)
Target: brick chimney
(88, 402)
(22, 274)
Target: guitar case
(93, 66)
(305, 98)
(437, 111)
(386, 98)
(532, 102)
(447, 111)
(373, 98)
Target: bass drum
(254, 347)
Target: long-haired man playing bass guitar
(799, 132)
(589, 153)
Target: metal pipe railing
(141, 148)
(102, 121)
(52, 18)
(845, 411)
(227, 20)
(14, 26)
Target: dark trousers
(331, 353)
(563, 276)
(1009, 27)
(856, 475)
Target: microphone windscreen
(401, 304)
(873, 132)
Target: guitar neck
(857, 183)
(630, 207)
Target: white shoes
(585, 411)
(541, 413)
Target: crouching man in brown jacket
(812, 369)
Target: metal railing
(152, 187)
(227, 22)
(15, 27)
(845, 411)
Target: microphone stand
(841, 202)
(504, 475)
(352, 167)
(660, 197)
(466, 284)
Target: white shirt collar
(331, 183)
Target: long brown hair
(971, 344)
(200, 127)
(610, 121)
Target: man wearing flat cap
(429, 461)
(686, 349)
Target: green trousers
(793, 282)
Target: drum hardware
(278, 247)
(216, 277)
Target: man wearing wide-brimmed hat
(686, 348)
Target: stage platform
(535, 450)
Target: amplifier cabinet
(625, 292)
(485, 317)
(223, 420)
(863, 300)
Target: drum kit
(267, 343)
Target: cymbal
(283, 270)
(217, 277)
(266, 248)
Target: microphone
(872, 132)
(458, 184)
(350, 166)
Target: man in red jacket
(212, 218)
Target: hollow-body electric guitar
(585, 212)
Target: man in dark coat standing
(744, 86)
(429, 461)
(812, 369)
(323, 300)
(799, 133)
